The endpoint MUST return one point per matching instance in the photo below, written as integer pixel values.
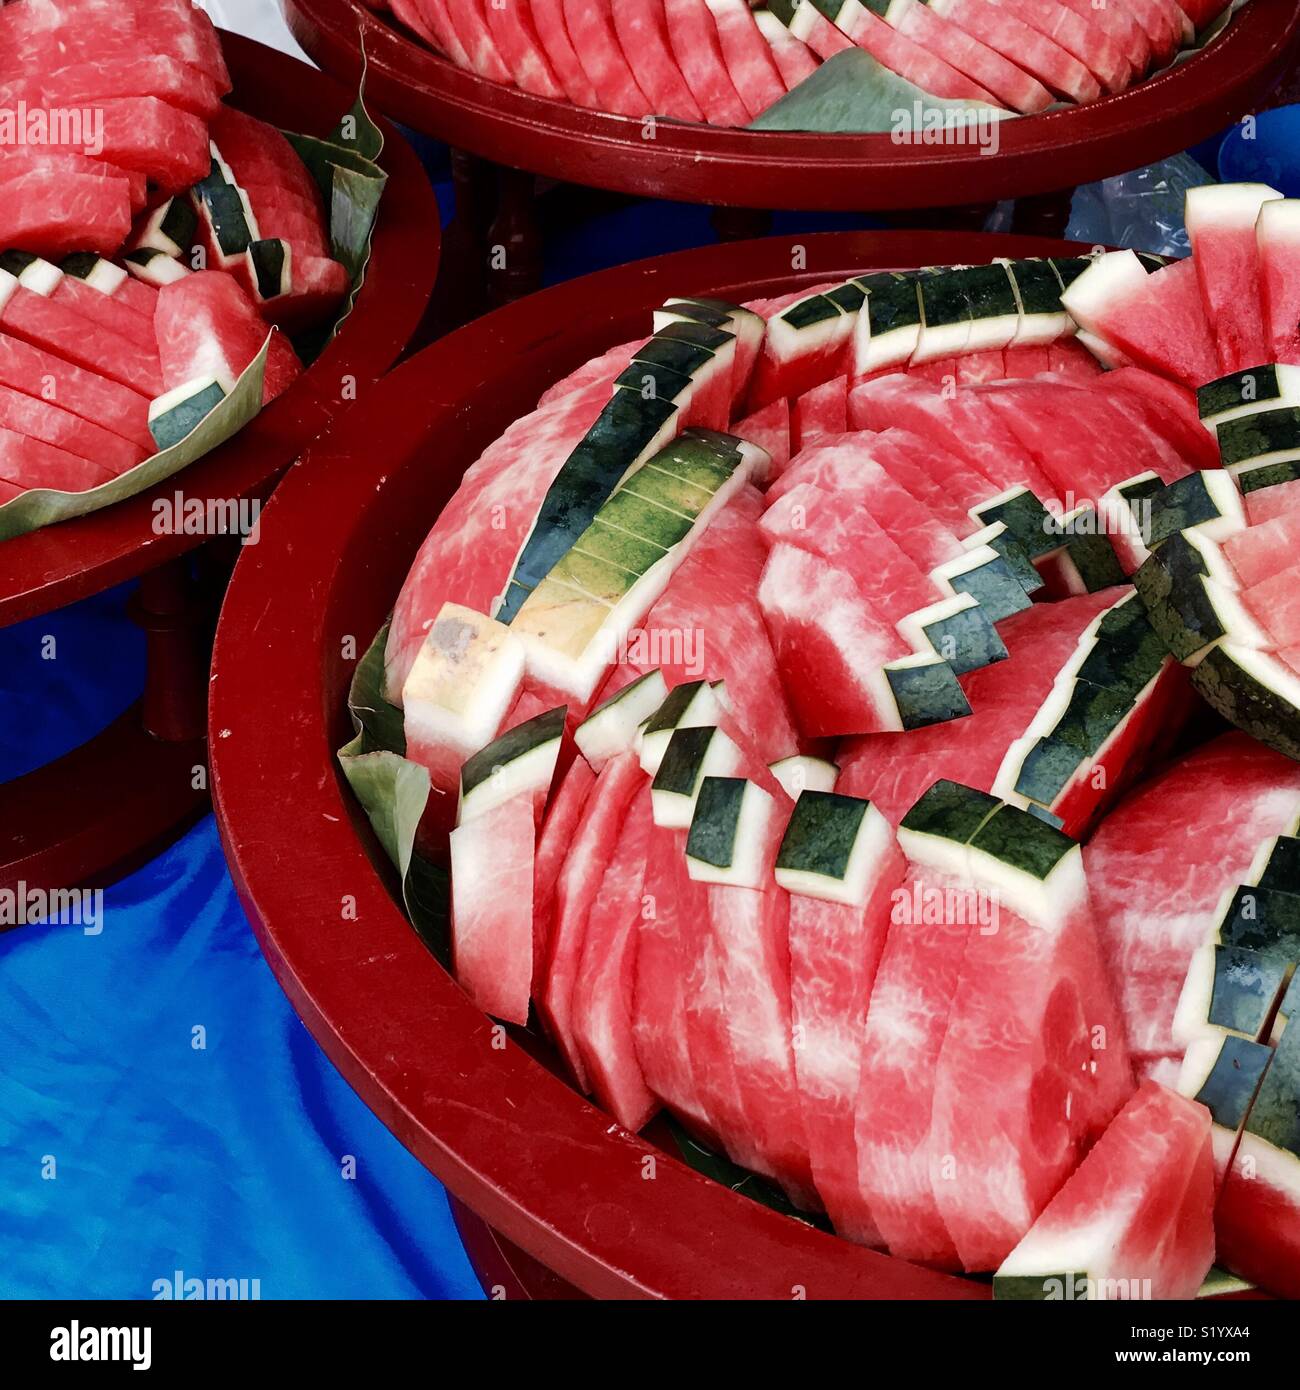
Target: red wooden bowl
(535, 1160)
(50, 568)
(706, 164)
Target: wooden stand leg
(514, 249)
(167, 606)
(461, 292)
(505, 1271)
(1044, 214)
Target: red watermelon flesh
(1157, 320)
(914, 62)
(1020, 362)
(517, 41)
(147, 136)
(320, 286)
(1136, 1217)
(961, 424)
(1277, 239)
(1120, 24)
(1006, 33)
(892, 770)
(663, 956)
(643, 33)
(559, 827)
(594, 39)
(258, 153)
(829, 645)
(946, 485)
(55, 214)
(794, 59)
(698, 52)
(207, 326)
(16, 160)
(751, 929)
(57, 328)
(605, 982)
(1164, 1070)
(1015, 1096)
(906, 1021)
(823, 37)
(1088, 42)
(1164, 23)
(1169, 409)
(553, 34)
(148, 75)
(849, 538)
(492, 908)
(1266, 503)
(835, 952)
(748, 57)
(29, 463)
(604, 369)
(1261, 552)
(465, 558)
(135, 294)
(822, 411)
(434, 17)
(283, 213)
(470, 22)
(1158, 865)
(1221, 225)
(51, 424)
(110, 313)
(770, 429)
(1009, 84)
(1275, 602)
(86, 394)
(1068, 359)
(579, 881)
(9, 491)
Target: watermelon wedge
(492, 861)
(1154, 319)
(642, 31)
(1134, 1220)
(559, 826)
(595, 41)
(698, 52)
(794, 59)
(53, 214)
(749, 59)
(50, 424)
(517, 41)
(469, 20)
(149, 75)
(31, 463)
(553, 35)
(1221, 222)
(1277, 243)
(1085, 40)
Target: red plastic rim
(50, 568)
(706, 164)
(527, 1153)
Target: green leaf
(394, 792)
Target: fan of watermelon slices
(727, 61)
(149, 255)
(778, 653)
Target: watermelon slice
(558, 829)
(1004, 31)
(698, 52)
(148, 75)
(1221, 221)
(54, 214)
(578, 883)
(1277, 239)
(595, 41)
(94, 398)
(643, 33)
(553, 35)
(840, 861)
(517, 41)
(258, 153)
(208, 327)
(1154, 319)
(794, 59)
(469, 21)
(1085, 40)
(605, 983)
(31, 463)
(1134, 1220)
(492, 860)
(50, 424)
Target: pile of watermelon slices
(726, 62)
(150, 236)
(814, 753)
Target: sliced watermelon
(50, 424)
(148, 75)
(558, 829)
(108, 311)
(1134, 1220)
(54, 213)
(820, 412)
(770, 429)
(517, 41)
(578, 883)
(605, 983)
(794, 59)
(643, 33)
(492, 861)
(258, 153)
(1221, 220)
(698, 52)
(1154, 319)
(469, 20)
(1006, 33)
(30, 463)
(87, 395)
(595, 40)
(1277, 239)
(1085, 40)
(553, 35)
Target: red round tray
(531, 1157)
(107, 806)
(705, 164)
(50, 568)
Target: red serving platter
(707, 164)
(60, 564)
(539, 1164)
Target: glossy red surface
(540, 1165)
(704, 164)
(56, 566)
